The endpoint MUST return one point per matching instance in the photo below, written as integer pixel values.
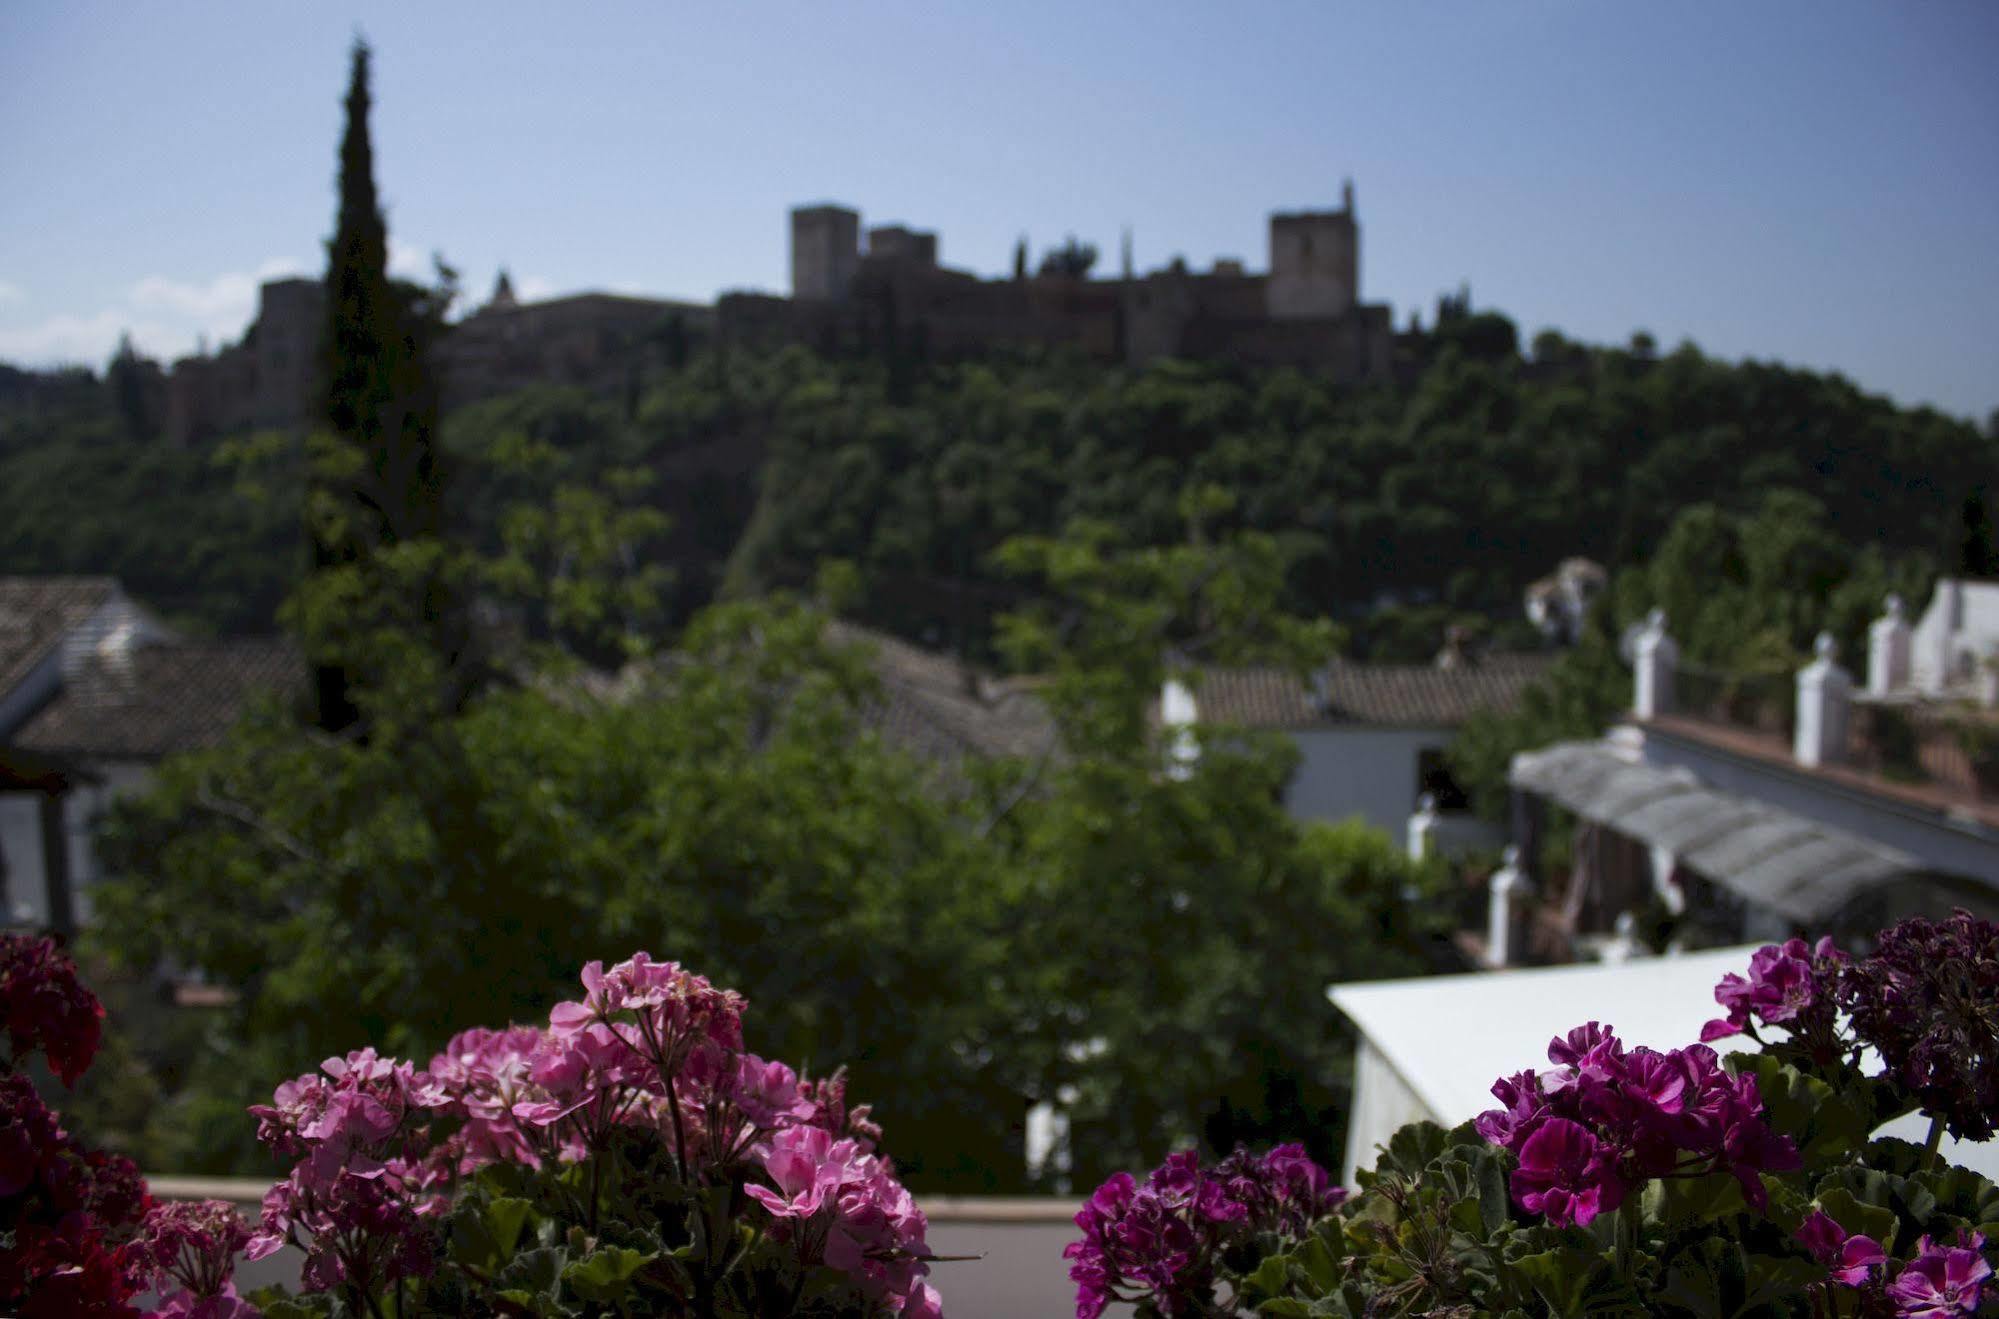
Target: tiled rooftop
(36, 613)
(160, 698)
(937, 708)
(1345, 692)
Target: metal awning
(1795, 866)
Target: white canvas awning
(1797, 867)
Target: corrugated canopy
(1794, 866)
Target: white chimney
(1507, 891)
(1888, 640)
(1421, 826)
(1654, 660)
(1825, 691)
(1178, 713)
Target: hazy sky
(1807, 180)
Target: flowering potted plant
(68, 1214)
(629, 1158)
(1625, 1180)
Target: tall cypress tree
(380, 395)
(380, 401)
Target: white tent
(1430, 1048)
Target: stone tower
(1314, 263)
(825, 252)
(285, 344)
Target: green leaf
(1675, 1203)
(605, 1275)
(1411, 1149)
(1826, 1126)
(1715, 1279)
(539, 1270)
(1867, 1220)
(1963, 1193)
(1285, 1307)
(1907, 1199)
(1319, 1256)
(504, 1219)
(276, 1303)
(1573, 1281)
(1268, 1279)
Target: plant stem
(679, 1135)
(1930, 1157)
(1627, 1236)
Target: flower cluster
(650, 1052)
(1790, 985)
(1928, 999)
(1161, 1241)
(358, 1197)
(1942, 1279)
(1607, 1119)
(46, 1007)
(187, 1252)
(845, 1206)
(1283, 1192)
(66, 1211)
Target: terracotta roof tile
(36, 613)
(1344, 692)
(164, 697)
(932, 706)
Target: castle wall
(1305, 312)
(1314, 265)
(284, 344)
(825, 252)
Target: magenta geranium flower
(1628, 1117)
(1851, 1260)
(1942, 1280)
(1564, 1174)
(1929, 1001)
(44, 1006)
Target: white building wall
(1957, 632)
(1383, 1104)
(1369, 772)
(21, 843)
(21, 853)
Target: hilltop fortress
(888, 294)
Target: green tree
(1977, 555)
(732, 810)
(125, 379)
(376, 497)
(1193, 923)
(1072, 260)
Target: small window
(1433, 776)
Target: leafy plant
(1626, 1180)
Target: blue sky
(1811, 182)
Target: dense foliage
(1401, 507)
(963, 935)
(1631, 1180)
